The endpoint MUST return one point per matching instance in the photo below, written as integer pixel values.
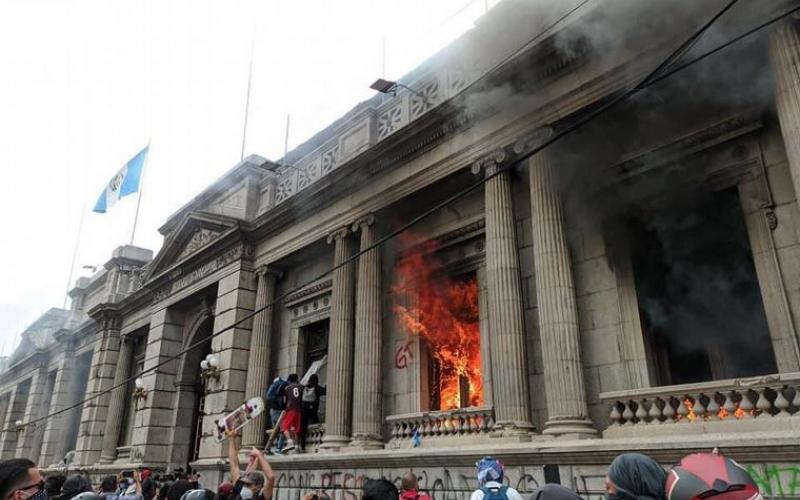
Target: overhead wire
(651, 78)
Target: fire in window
(442, 310)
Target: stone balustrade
(767, 397)
(438, 424)
(314, 437)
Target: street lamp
(139, 392)
(209, 368)
(390, 87)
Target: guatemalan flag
(125, 182)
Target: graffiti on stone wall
(439, 483)
(776, 480)
(403, 355)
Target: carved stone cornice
(490, 162)
(367, 220)
(107, 317)
(265, 270)
(314, 289)
(340, 233)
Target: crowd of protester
(293, 407)
(631, 476)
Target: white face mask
(246, 493)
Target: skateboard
(238, 418)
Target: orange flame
(444, 312)
(691, 416)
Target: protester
(110, 488)
(148, 484)
(635, 476)
(312, 393)
(74, 486)
(225, 491)
(277, 403)
(316, 495)
(254, 484)
(53, 484)
(198, 494)
(710, 475)
(379, 489)
(292, 417)
(490, 479)
(554, 491)
(20, 480)
(178, 488)
(411, 488)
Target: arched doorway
(190, 395)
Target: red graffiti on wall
(403, 356)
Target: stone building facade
(634, 286)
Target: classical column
(340, 346)
(367, 408)
(785, 57)
(558, 313)
(509, 370)
(260, 353)
(116, 405)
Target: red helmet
(706, 475)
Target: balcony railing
(767, 397)
(440, 424)
(314, 437)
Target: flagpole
(141, 188)
(75, 252)
(249, 81)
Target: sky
(87, 84)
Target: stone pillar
(558, 314)
(55, 443)
(367, 393)
(31, 413)
(258, 365)
(116, 405)
(16, 409)
(39, 406)
(785, 57)
(509, 369)
(340, 346)
(101, 378)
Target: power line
(651, 78)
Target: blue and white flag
(125, 182)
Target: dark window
(700, 303)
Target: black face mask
(39, 495)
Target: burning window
(701, 305)
(442, 310)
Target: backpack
(274, 392)
(495, 493)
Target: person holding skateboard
(253, 484)
(292, 418)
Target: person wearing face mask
(633, 476)
(20, 480)
(253, 484)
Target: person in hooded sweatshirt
(411, 488)
(490, 479)
(633, 476)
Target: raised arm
(233, 457)
(269, 474)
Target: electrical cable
(651, 78)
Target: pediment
(197, 231)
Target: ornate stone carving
(307, 291)
(210, 267)
(489, 162)
(367, 220)
(340, 233)
(200, 238)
